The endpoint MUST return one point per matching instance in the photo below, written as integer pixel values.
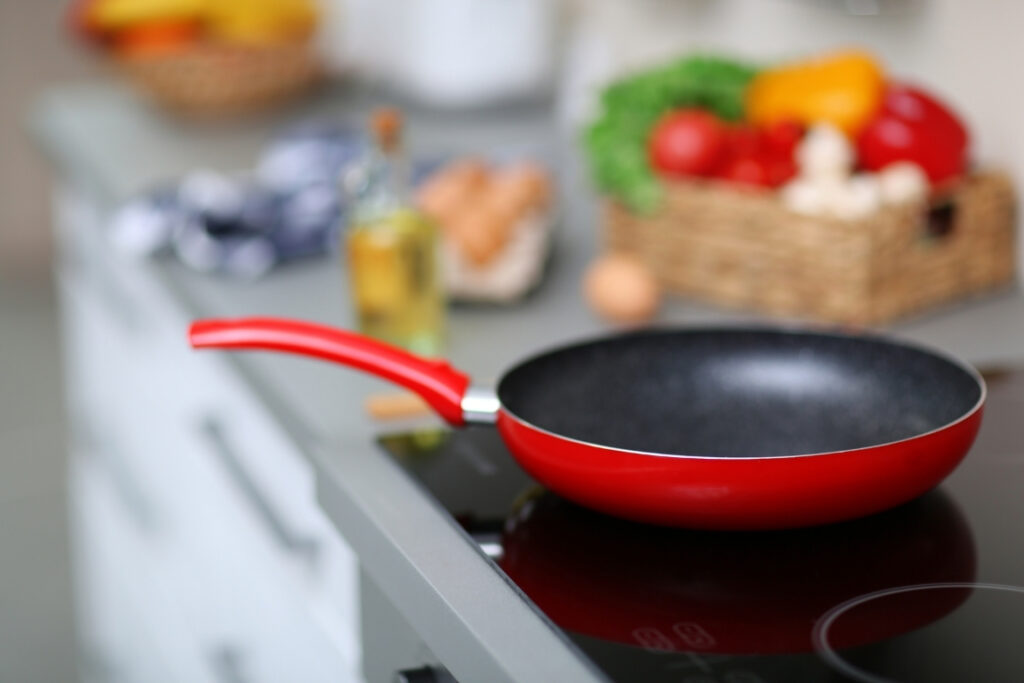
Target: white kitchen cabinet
(131, 626)
(200, 551)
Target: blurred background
(36, 628)
(254, 75)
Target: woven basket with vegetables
(821, 189)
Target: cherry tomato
(781, 169)
(687, 142)
(750, 171)
(782, 137)
(745, 141)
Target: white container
(449, 53)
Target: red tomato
(745, 141)
(915, 126)
(751, 171)
(782, 137)
(687, 142)
(761, 170)
(781, 169)
(761, 157)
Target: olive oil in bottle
(392, 250)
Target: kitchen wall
(967, 51)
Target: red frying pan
(701, 428)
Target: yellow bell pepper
(842, 88)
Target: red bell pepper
(914, 126)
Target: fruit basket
(748, 190)
(215, 80)
(206, 57)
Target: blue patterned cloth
(289, 207)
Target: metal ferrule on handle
(480, 405)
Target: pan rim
(795, 330)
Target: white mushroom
(804, 196)
(824, 152)
(860, 197)
(902, 183)
(848, 199)
(824, 186)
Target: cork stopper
(386, 126)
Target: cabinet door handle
(294, 542)
(108, 454)
(423, 674)
(226, 662)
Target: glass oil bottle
(392, 249)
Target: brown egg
(448, 190)
(509, 198)
(534, 176)
(479, 233)
(470, 170)
(622, 289)
(440, 197)
(502, 215)
(521, 188)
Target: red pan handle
(440, 385)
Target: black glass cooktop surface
(930, 591)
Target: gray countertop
(106, 140)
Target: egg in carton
(495, 225)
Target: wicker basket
(746, 250)
(217, 80)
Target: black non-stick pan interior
(739, 393)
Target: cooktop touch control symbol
(693, 635)
(930, 625)
(653, 640)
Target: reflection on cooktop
(744, 593)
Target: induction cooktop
(930, 591)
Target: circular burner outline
(819, 636)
